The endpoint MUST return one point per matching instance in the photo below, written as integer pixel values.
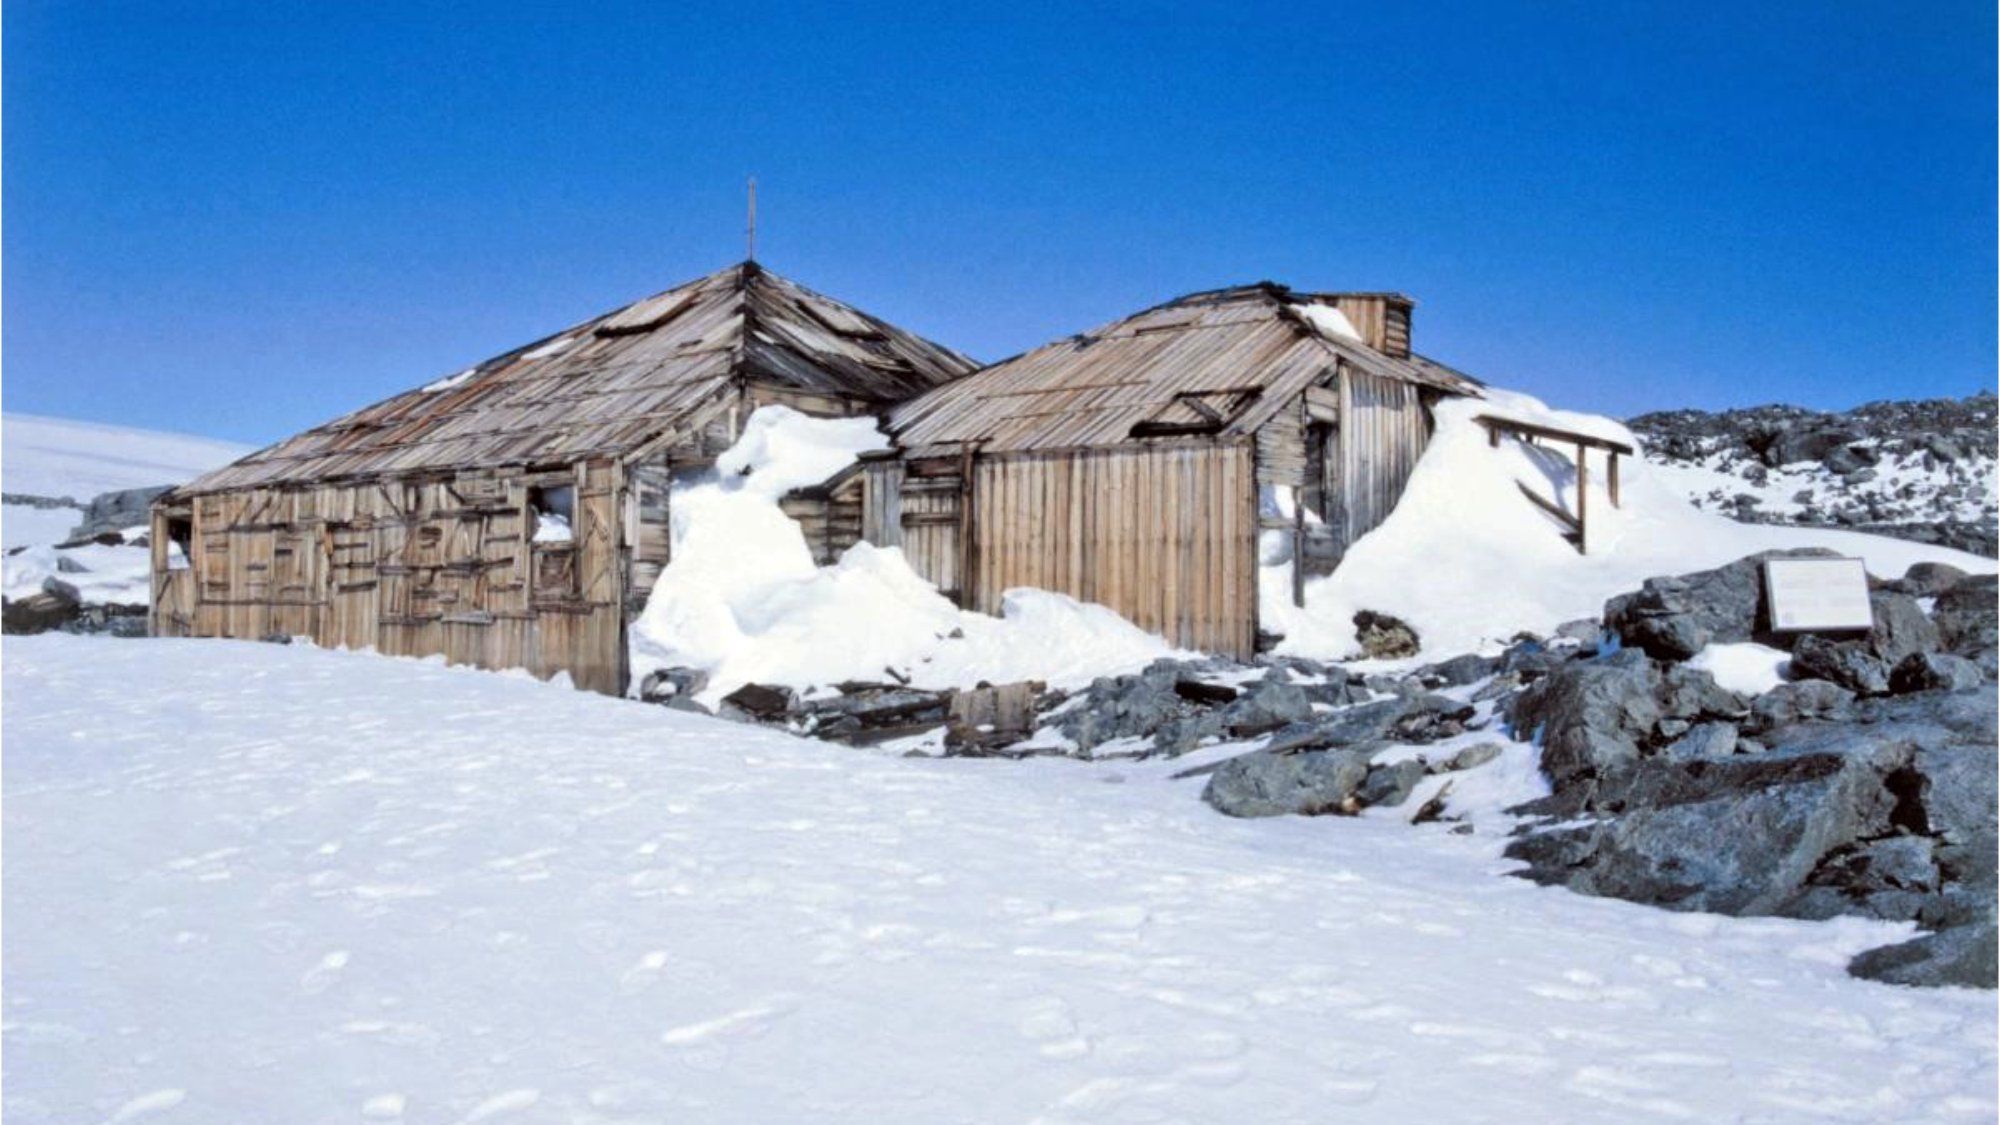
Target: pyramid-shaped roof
(1223, 360)
(614, 383)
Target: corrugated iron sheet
(610, 385)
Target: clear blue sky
(241, 220)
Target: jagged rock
(1966, 616)
(1461, 670)
(1384, 637)
(1692, 694)
(1901, 629)
(1796, 702)
(1935, 671)
(1675, 617)
(1849, 664)
(1589, 716)
(1963, 956)
(68, 565)
(1587, 630)
(1306, 783)
(1390, 785)
(1269, 704)
(1704, 740)
(116, 511)
(1735, 837)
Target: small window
(180, 542)
(552, 509)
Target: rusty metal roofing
(612, 384)
(1221, 361)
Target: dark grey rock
(1797, 702)
(1585, 629)
(1706, 740)
(1675, 617)
(1963, 956)
(1935, 671)
(1901, 628)
(1589, 716)
(761, 701)
(1966, 616)
(1929, 579)
(1306, 783)
(116, 511)
(1461, 670)
(1849, 664)
(1692, 694)
(1387, 786)
(1269, 704)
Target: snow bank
(1748, 667)
(1468, 560)
(743, 600)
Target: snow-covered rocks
(1920, 470)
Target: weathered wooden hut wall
(434, 566)
(882, 502)
(930, 501)
(171, 611)
(1383, 429)
(1165, 535)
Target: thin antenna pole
(750, 232)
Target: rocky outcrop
(1867, 787)
(1918, 470)
(117, 512)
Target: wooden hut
(515, 514)
(1125, 466)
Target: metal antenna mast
(750, 231)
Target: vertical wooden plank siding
(420, 567)
(1383, 430)
(1164, 535)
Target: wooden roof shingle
(611, 385)
(1232, 354)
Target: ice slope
(1469, 561)
(260, 883)
(60, 459)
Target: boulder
(1850, 664)
(116, 511)
(1704, 740)
(1929, 579)
(1270, 783)
(1966, 616)
(1675, 617)
(1963, 956)
(1797, 702)
(1589, 716)
(1735, 837)
(1461, 670)
(1691, 694)
(1935, 671)
(1270, 703)
(1387, 786)
(674, 687)
(1901, 628)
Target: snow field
(272, 883)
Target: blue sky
(241, 220)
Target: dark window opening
(552, 512)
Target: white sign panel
(1817, 595)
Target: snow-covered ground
(58, 459)
(260, 883)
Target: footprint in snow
(146, 1104)
(324, 975)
